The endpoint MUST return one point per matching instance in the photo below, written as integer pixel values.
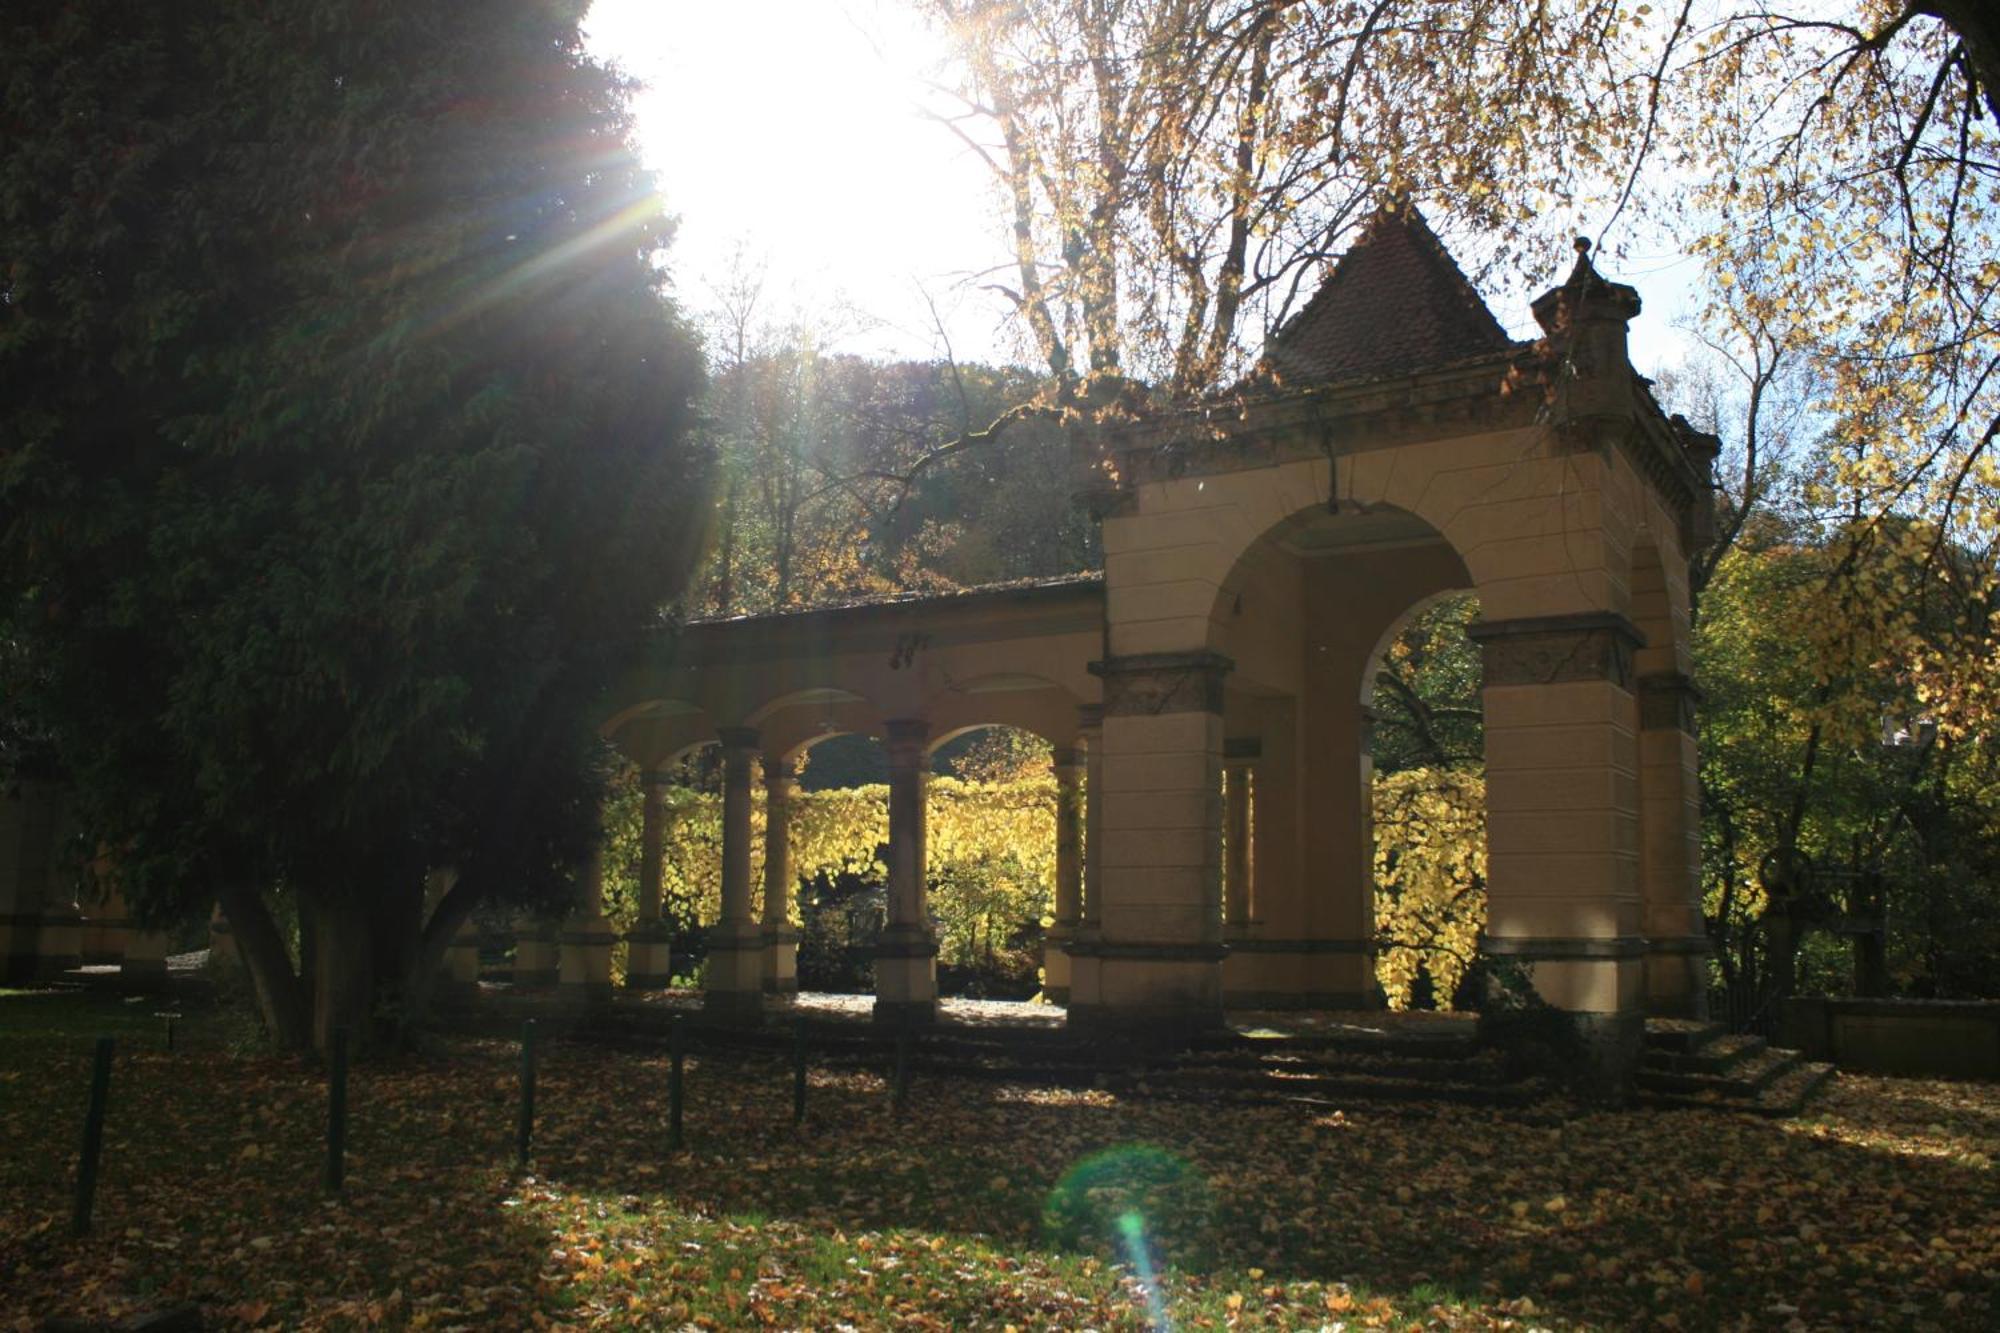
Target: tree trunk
(280, 996)
(343, 974)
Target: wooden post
(677, 1047)
(799, 1073)
(93, 1136)
(336, 1112)
(902, 1084)
(524, 1132)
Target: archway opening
(1427, 805)
(992, 814)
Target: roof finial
(1583, 247)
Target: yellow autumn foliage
(1430, 878)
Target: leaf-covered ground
(982, 1207)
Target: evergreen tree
(342, 459)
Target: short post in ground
(93, 1137)
(336, 1112)
(676, 1079)
(524, 1130)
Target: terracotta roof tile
(1395, 303)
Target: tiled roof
(1395, 303)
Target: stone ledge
(1550, 949)
(1149, 951)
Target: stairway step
(1681, 1034)
(1745, 1079)
(1716, 1056)
(1782, 1098)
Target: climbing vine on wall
(1430, 879)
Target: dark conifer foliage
(342, 456)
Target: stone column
(1069, 771)
(781, 938)
(107, 930)
(534, 953)
(1677, 944)
(222, 950)
(649, 964)
(585, 967)
(1160, 950)
(144, 966)
(1238, 757)
(906, 958)
(1562, 826)
(461, 961)
(735, 989)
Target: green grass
(984, 1207)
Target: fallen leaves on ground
(983, 1207)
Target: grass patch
(984, 1207)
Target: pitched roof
(1395, 303)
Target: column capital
(1145, 684)
(1558, 650)
(1242, 751)
(655, 778)
(1065, 757)
(780, 770)
(1089, 719)
(904, 738)
(1667, 702)
(737, 738)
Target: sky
(752, 113)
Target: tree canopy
(342, 457)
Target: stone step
(1715, 1056)
(1745, 1078)
(1681, 1035)
(1781, 1098)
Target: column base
(649, 963)
(781, 961)
(584, 971)
(58, 945)
(535, 959)
(144, 967)
(1154, 991)
(1056, 963)
(734, 992)
(906, 976)
(1677, 977)
(1262, 973)
(905, 1013)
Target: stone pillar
(42, 930)
(534, 953)
(1677, 945)
(584, 971)
(1069, 771)
(1238, 758)
(1085, 970)
(1160, 950)
(781, 938)
(222, 949)
(1562, 822)
(461, 961)
(107, 930)
(906, 958)
(144, 966)
(735, 989)
(649, 964)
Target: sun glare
(790, 129)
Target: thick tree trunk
(343, 974)
(280, 996)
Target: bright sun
(791, 128)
